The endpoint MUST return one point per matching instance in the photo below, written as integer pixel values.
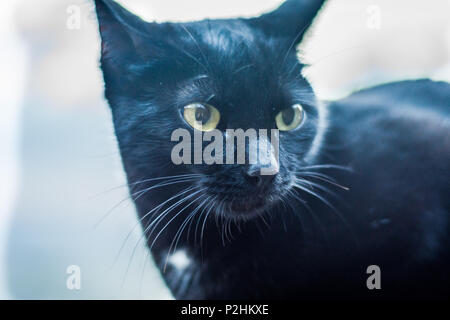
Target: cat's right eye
(201, 116)
(290, 118)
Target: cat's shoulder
(411, 118)
(418, 87)
(423, 94)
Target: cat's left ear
(126, 37)
(290, 20)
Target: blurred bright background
(59, 159)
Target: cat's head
(212, 74)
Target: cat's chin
(246, 208)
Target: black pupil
(288, 116)
(202, 114)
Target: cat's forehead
(234, 57)
(225, 36)
(231, 44)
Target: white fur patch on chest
(179, 260)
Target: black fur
(388, 145)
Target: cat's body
(395, 215)
(376, 163)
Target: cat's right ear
(125, 38)
(291, 20)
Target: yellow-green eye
(201, 116)
(290, 118)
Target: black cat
(362, 181)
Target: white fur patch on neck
(179, 260)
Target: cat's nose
(253, 175)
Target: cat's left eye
(290, 118)
(201, 116)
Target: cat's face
(222, 74)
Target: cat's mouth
(246, 207)
(245, 201)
